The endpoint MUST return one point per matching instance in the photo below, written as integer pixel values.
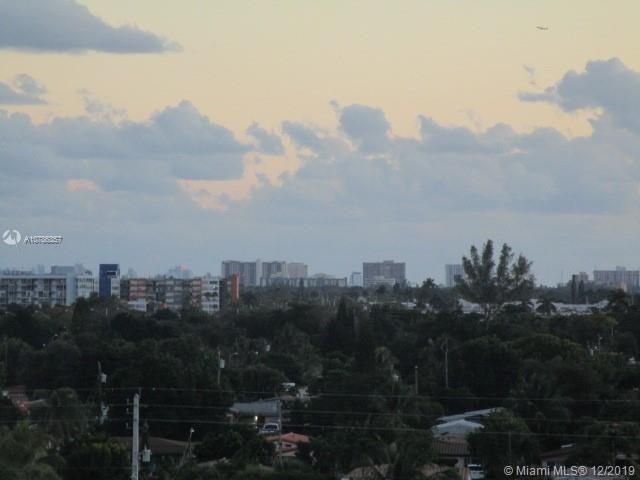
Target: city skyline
(598, 274)
(165, 134)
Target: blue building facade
(107, 272)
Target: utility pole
(415, 379)
(445, 349)
(186, 455)
(100, 382)
(280, 431)
(219, 367)
(6, 359)
(102, 378)
(135, 445)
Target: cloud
(449, 170)
(176, 143)
(367, 127)
(26, 92)
(422, 199)
(605, 84)
(267, 142)
(67, 26)
(444, 139)
(99, 109)
(313, 139)
(28, 85)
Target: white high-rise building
(61, 287)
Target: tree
(9, 414)
(504, 440)
(224, 444)
(29, 325)
(365, 354)
(341, 330)
(492, 285)
(81, 315)
(399, 459)
(261, 379)
(488, 366)
(64, 416)
(608, 441)
(97, 458)
(256, 450)
(618, 302)
(22, 454)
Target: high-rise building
(272, 269)
(176, 294)
(453, 273)
(61, 287)
(297, 270)
(628, 280)
(249, 272)
(85, 285)
(356, 279)
(32, 289)
(141, 289)
(209, 300)
(387, 272)
(259, 273)
(109, 280)
(319, 280)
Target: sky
(157, 133)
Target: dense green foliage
(560, 379)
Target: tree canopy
(492, 284)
